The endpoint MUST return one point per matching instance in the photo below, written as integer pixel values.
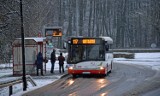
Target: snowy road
(125, 80)
(129, 77)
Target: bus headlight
(101, 68)
(70, 67)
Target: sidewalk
(50, 77)
(7, 74)
(55, 75)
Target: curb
(65, 75)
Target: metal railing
(9, 83)
(137, 50)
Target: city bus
(90, 55)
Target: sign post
(54, 32)
(23, 49)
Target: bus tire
(107, 74)
(74, 75)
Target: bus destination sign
(84, 41)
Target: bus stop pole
(23, 50)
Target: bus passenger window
(101, 53)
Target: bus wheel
(74, 75)
(110, 71)
(103, 75)
(106, 74)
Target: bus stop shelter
(33, 45)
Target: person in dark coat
(39, 63)
(53, 60)
(61, 60)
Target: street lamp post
(23, 49)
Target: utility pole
(23, 49)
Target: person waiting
(61, 60)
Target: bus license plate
(86, 73)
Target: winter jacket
(53, 57)
(39, 60)
(61, 59)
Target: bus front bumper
(84, 71)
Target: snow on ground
(6, 74)
(147, 59)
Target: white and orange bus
(89, 55)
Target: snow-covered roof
(37, 39)
(29, 40)
(108, 39)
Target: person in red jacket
(61, 60)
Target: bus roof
(108, 39)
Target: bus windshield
(79, 53)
